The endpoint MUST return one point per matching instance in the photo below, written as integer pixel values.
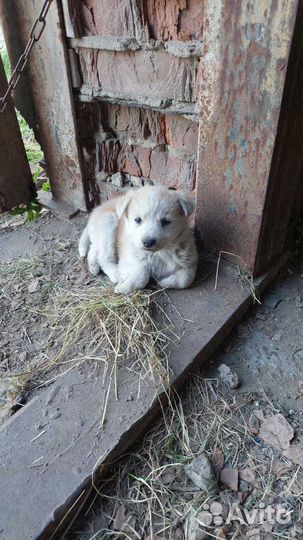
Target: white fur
(112, 230)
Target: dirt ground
(150, 495)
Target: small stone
(201, 472)
(147, 182)
(193, 530)
(217, 461)
(136, 181)
(117, 179)
(253, 424)
(277, 432)
(295, 453)
(33, 286)
(230, 478)
(277, 337)
(228, 377)
(23, 356)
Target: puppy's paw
(125, 288)
(167, 283)
(94, 268)
(113, 275)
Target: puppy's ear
(122, 204)
(186, 201)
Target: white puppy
(141, 235)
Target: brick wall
(137, 92)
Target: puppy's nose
(149, 242)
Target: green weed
(31, 211)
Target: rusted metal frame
(246, 52)
(50, 84)
(284, 198)
(16, 183)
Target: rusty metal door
(16, 183)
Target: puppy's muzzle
(148, 243)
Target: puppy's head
(155, 216)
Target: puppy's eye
(165, 222)
(138, 220)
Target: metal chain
(34, 36)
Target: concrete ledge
(51, 449)
(59, 208)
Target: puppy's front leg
(180, 279)
(133, 282)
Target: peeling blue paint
(244, 145)
(233, 208)
(239, 167)
(233, 135)
(255, 32)
(228, 178)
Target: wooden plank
(182, 49)
(50, 85)
(72, 449)
(71, 14)
(247, 47)
(16, 183)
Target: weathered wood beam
(183, 49)
(88, 94)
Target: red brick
(150, 74)
(173, 19)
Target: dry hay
(152, 491)
(80, 323)
(244, 275)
